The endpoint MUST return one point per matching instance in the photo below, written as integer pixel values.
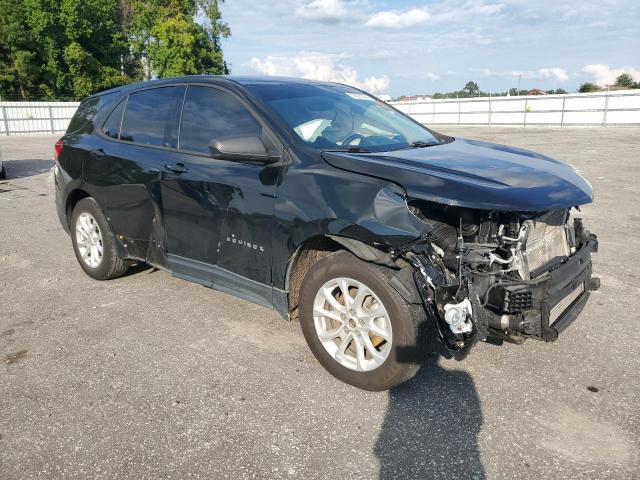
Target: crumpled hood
(474, 174)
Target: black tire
(408, 323)
(3, 173)
(111, 265)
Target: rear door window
(148, 117)
(209, 114)
(111, 127)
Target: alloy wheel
(89, 240)
(352, 324)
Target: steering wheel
(352, 137)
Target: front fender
(367, 216)
(391, 219)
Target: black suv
(331, 207)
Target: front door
(218, 213)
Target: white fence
(617, 108)
(35, 117)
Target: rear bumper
(60, 183)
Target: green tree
(216, 28)
(19, 65)
(68, 49)
(471, 89)
(80, 45)
(625, 81)
(589, 87)
(167, 41)
(181, 47)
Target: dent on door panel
(194, 213)
(126, 183)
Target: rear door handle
(177, 168)
(98, 153)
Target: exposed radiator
(547, 239)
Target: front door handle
(177, 168)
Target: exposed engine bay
(500, 276)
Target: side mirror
(241, 149)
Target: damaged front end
(499, 276)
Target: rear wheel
(357, 326)
(93, 242)
(3, 173)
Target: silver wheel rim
(352, 324)
(89, 240)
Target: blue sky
(412, 47)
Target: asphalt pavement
(148, 376)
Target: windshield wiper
(422, 144)
(351, 149)
(358, 149)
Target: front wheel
(358, 327)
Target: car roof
(242, 80)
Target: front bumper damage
(544, 309)
(504, 309)
(572, 281)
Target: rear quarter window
(82, 121)
(111, 127)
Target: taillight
(58, 149)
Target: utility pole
(519, 78)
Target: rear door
(127, 161)
(218, 213)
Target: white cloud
(379, 54)
(499, 30)
(468, 11)
(399, 19)
(325, 11)
(442, 12)
(432, 76)
(554, 73)
(604, 75)
(318, 66)
(484, 8)
(373, 84)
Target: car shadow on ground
(139, 267)
(431, 427)
(26, 168)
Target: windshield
(337, 117)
